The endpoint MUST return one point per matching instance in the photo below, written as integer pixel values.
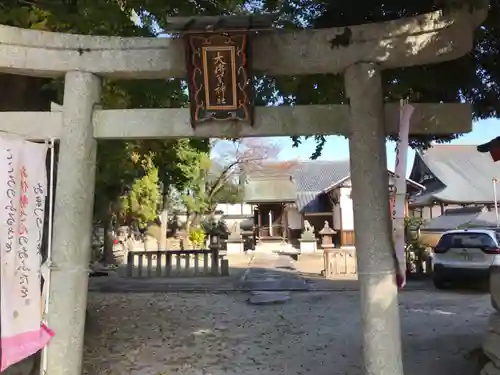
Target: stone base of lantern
(235, 246)
(308, 246)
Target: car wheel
(439, 283)
(485, 286)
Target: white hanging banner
(398, 214)
(23, 186)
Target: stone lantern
(219, 262)
(326, 235)
(214, 233)
(307, 240)
(235, 240)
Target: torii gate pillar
(368, 164)
(72, 223)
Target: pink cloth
(398, 213)
(400, 280)
(16, 348)
(23, 187)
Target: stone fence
(339, 262)
(176, 263)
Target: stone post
(326, 235)
(72, 225)
(368, 162)
(235, 240)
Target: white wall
(294, 218)
(235, 209)
(182, 218)
(226, 209)
(347, 209)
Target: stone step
(267, 247)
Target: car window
(469, 239)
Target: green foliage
(116, 169)
(412, 227)
(195, 197)
(209, 185)
(179, 162)
(215, 227)
(473, 78)
(101, 17)
(197, 237)
(230, 193)
(140, 205)
(129, 176)
(413, 241)
(413, 223)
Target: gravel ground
(315, 333)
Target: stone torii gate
(83, 60)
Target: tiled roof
(316, 176)
(270, 189)
(310, 178)
(463, 175)
(271, 182)
(308, 202)
(459, 220)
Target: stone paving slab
(352, 285)
(116, 284)
(272, 272)
(120, 285)
(283, 284)
(199, 284)
(268, 298)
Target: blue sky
(337, 148)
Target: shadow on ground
(195, 326)
(117, 282)
(239, 280)
(314, 333)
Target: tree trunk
(22, 93)
(164, 220)
(188, 222)
(194, 220)
(107, 252)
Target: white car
(465, 254)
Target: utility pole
(495, 200)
